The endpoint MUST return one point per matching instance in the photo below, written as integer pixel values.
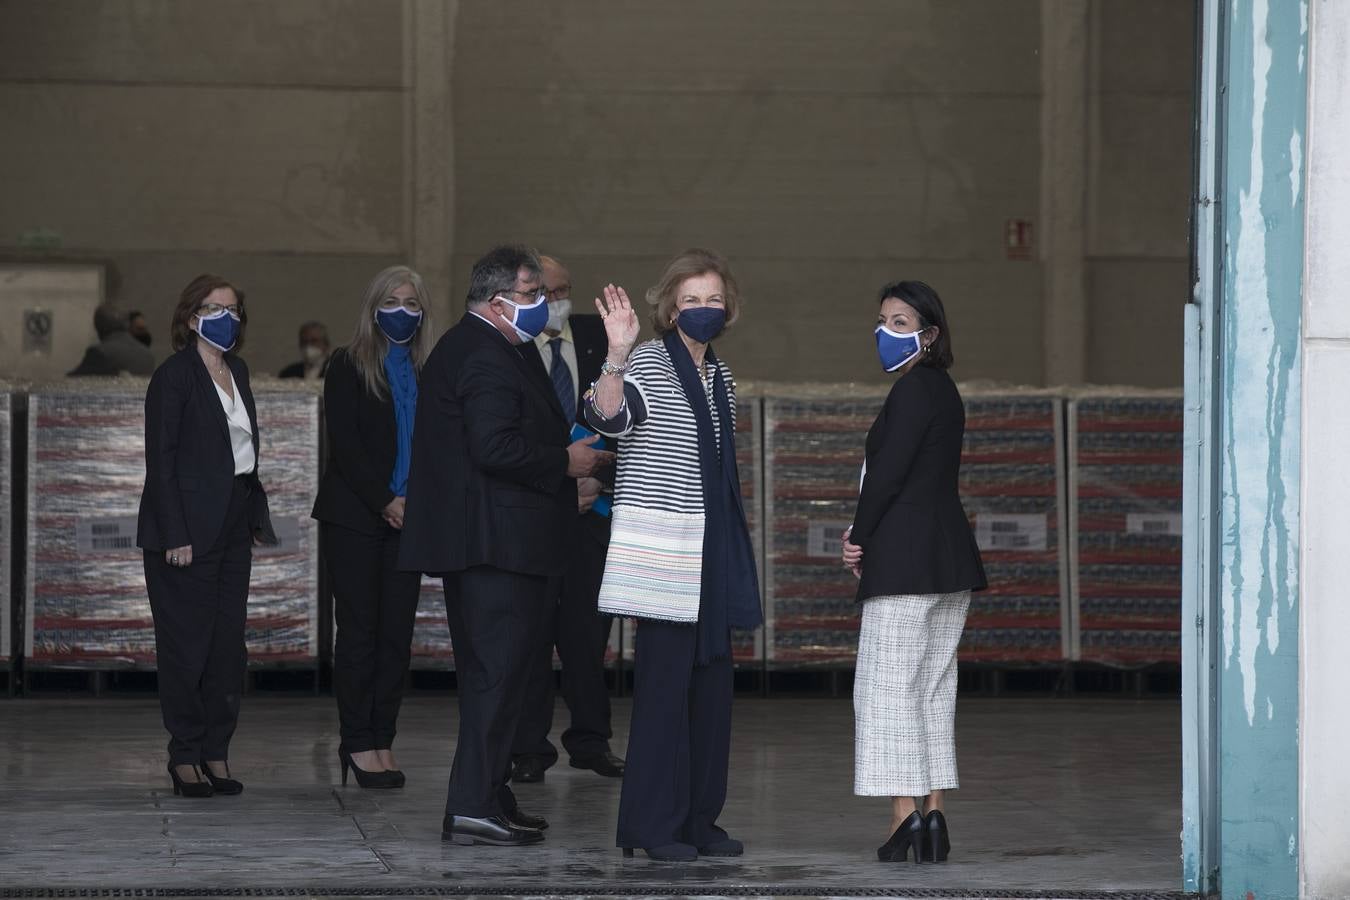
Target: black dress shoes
(668, 852)
(524, 821)
(225, 784)
(494, 830)
(527, 770)
(937, 843)
(606, 764)
(909, 836)
(724, 847)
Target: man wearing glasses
(493, 480)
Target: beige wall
(824, 147)
(1139, 187)
(260, 140)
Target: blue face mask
(530, 320)
(220, 331)
(702, 323)
(896, 349)
(398, 324)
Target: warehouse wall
(825, 147)
(261, 140)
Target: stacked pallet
(6, 516)
(86, 604)
(1011, 485)
(1125, 493)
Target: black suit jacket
(362, 450)
(915, 536)
(489, 483)
(189, 462)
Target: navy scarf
(729, 593)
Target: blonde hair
(369, 345)
(664, 295)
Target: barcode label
(823, 537)
(1168, 524)
(110, 534)
(1011, 531)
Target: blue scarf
(729, 592)
(398, 371)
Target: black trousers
(581, 635)
(495, 617)
(199, 614)
(675, 782)
(376, 608)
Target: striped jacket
(655, 565)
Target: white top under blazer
(241, 429)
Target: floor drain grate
(796, 889)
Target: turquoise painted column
(1259, 396)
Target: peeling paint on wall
(1261, 397)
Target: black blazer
(489, 483)
(362, 450)
(915, 536)
(189, 462)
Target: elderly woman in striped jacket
(680, 558)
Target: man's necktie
(562, 380)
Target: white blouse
(241, 429)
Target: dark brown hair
(193, 296)
(664, 296)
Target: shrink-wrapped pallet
(1125, 458)
(6, 517)
(86, 603)
(1011, 486)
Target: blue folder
(604, 504)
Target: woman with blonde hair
(370, 397)
(680, 558)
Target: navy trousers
(679, 743)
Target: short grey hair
(496, 272)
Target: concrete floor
(1058, 796)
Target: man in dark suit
(570, 352)
(116, 351)
(493, 480)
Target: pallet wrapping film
(86, 604)
(1012, 488)
(1125, 464)
(6, 517)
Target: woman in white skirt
(912, 549)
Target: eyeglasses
(215, 309)
(562, 290)
(535, 295)
(412, 303)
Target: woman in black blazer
(370, 394)
(912, 548)
(202, 511)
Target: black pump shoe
(937, 844)
(222, 785)
(909, 836)
(190, 788)
(366, 779)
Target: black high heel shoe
(190, 788)
(365, 779)
(909, 836)
(937, 844)
(222, 784)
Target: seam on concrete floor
(653, 889)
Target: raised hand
(621, 322)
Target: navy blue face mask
(896, 349)
(702, 323)
(220, 331)
(398, 324)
